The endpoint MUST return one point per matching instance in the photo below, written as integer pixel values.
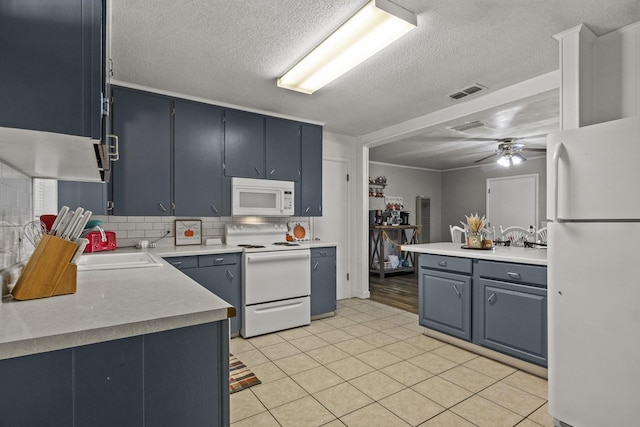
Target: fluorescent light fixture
(378, 24)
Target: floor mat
(240, 377)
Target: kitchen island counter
(498, 253)
(108, 305)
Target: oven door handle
(279, 257)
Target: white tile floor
(370, 365)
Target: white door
(512, 201)
(333, 225)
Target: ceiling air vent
(466, 92)
(466, 126)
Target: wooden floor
(396, 290)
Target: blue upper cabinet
(282, 149)
(141, 179)
(244, 144)
(52, 73)
(197, 161)
(309, 191)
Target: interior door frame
(536, 179)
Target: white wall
(464, 190)
(408, 183)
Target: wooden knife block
(49, 271)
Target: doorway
(512, 201)
(334, 224)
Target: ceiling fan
(509, 150)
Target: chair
(541, 235)
(516, 235)
(458, 234)
(488, 233)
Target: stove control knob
(240, 227)
(276, 226)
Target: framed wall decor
(188, 232)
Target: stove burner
(252, 246)
(286, 244)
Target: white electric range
(276, 278)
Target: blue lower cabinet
(220, 274)
(323, 280)
(513, 319)
(180, 367)
(37, 390)
(171, 378)
(108, 383)
(445, 302)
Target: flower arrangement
(474, 223)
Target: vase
(474, 240)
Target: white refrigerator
(593, 206)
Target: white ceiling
(232, 52)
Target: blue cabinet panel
(220, 274)
(194, 353)
(108, 384)
(513, 319)
(89, 195)
(445, 302)
(244, 144)
(323, 280)
(36, 390)
(309, 190)
(198, 134)
(282, 149)
(52, 66)
(141, 179)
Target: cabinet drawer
(182, 262)
(218, 259)
(520, 273)
(323, 252)
(446, 263)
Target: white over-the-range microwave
(261, 197)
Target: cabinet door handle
(173, 206)
(442, 263)
(455, 288)
(491, 298)
(229, 275)
(113, 150)
(219, 260)
(161, 207)
(307, 210)
(514, 275)
(322, 253)
(176, 263)
(213, 208)
(315, 265)
(272, 172)
(257, 170)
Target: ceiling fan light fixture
(378, 24)
(508, 159)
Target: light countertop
(107, 305)
(113, 304)
(498, 253)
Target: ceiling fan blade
(520, 156)
(485, 158)
(538, 150)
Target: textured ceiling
(233, 51)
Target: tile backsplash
(131, 229)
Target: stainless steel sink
(108, 261)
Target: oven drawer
(273, 276)
(275, 316)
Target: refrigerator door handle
(557, 152)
